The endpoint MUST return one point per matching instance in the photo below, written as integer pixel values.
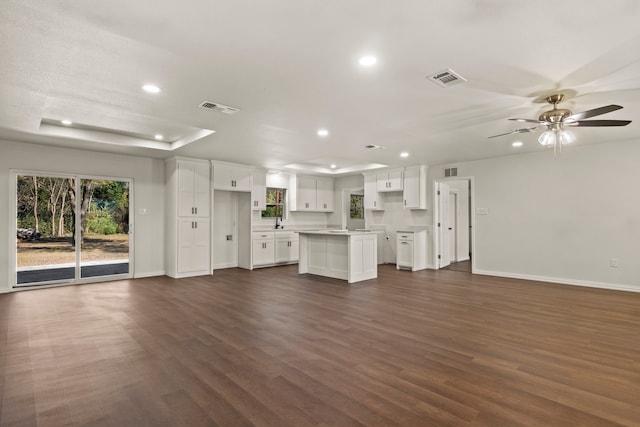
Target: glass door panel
(44, 230)
(104, 227)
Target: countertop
(335, 232)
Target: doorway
(353, 209)
(70, 229)
(453, 221)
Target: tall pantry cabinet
(188, 240)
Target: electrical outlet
(613, 262)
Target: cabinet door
(411, 193)
(404, 253)
(201, 189)
(372, 200)
(201, 255)
(193, 245)
(324, 195)
(242, 178)
(193, 189)
(222, 177)
(259, 191)
(395, 180)
(294, 249)
(383, 181)
(306, 193)
(282, 250)
(186, 182)
(263, 252)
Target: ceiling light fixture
(66, 122)
(368, 61)
(556, 137)
(333, 166)
(404, 154)
(151, 88)
(517, 144)
(323, 132)
(158, 136)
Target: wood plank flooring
(272, 348)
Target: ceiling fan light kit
(555, 120)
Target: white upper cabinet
(308, 193)
(324, 195)
(372, 200)
(259, 191)
(193, 188)
(232, 177)
(415, 187)
(390, 180)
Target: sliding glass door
(71, 229)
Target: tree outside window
(275, 203)
(356, 211)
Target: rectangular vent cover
(450, 172)
(447, 78)
(209, 105)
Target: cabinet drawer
(405, 236)
(286, 235)
(263, 235)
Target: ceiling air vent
(447, 78)
(214, 106)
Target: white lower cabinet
(263, 248)
(287, 247)
(193, 246)
(411, 250)
(274, 247)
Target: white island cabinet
(350, 256)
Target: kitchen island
(340, 254)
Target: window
(275, 203)
(356, 211)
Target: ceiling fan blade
(527, 121)
(525, 130)
(597, 123)
(594, 112)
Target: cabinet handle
(196, 208)
(325, 206)
(405, 203)
(192, 210)
(375, 203)
(404, 243)
(196, 224)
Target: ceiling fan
(556, 120)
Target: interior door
(443, 229)
(453, 226)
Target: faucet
(279, 222)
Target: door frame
(77, 280)
(472, 220)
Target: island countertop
(334, 232)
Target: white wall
(559, 218)
(148, 192)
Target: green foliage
(100, 221)
(356, 211)
(275, 203)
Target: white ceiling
(291, 67)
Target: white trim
(149, 274)
(561, 280)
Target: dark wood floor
(271, 348)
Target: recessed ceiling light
(66, 122)
(323, 132)
(150, 88)
(333, 166)
(404, 154)
(517, 144)
(158, 136)
(367, 61)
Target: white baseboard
(224, 265)
(148, 274)
(4, 290)
(561, 280)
